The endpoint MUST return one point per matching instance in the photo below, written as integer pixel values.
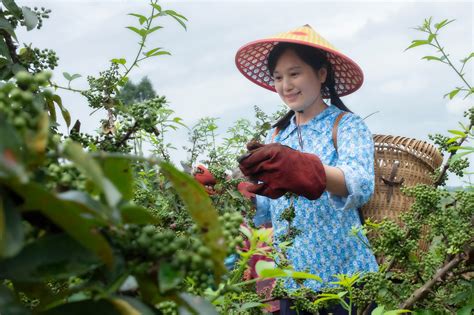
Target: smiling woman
(300, 167)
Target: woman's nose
(287, 84)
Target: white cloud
(200, 78)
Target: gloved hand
(203, 176)
(282, 169)
(243, 189)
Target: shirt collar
(313, 123)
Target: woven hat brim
(251, 60)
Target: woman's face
(297, 83)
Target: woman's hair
(314, 57)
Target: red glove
(243, 189)
(283, 169)
(203, 176)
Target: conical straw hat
(251, 60)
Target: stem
(350, 300)
(447, 59)
(54, 85)
(446, 165)
(142, 43)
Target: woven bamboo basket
(398, 162)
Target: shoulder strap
(334, 129)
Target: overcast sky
(201, 79)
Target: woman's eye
(294, 74)
(277, 78)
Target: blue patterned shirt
(325, 246)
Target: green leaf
(379, 310)
(141, 32)
(263, 265)
(74, 152)
(30, 17)
(51, 110)
(453, 93)
(74, 216)
(457, 132)
(453, 139)
(150, 52)
(151, 30)
(6, 26)
(13, 8)
(282, 273)
(458, 156)
(466, 310)
(442, 24)
(67, 76)
(417, 42)
(176, 14)
(11, 228)
(158, 53)
(179, 21)
(85, 203)
(250, 305)
(468, 58)
(70, 77)
(326, 297)
(38, 139)
(191, 304)
(432, 58)
(202, 211)
(395, 312)
(120, 61)
(141, 19)
(135, 214)
(64, 112)
(119, 171)
(10, 144)
(51, 257)
(156, 6)
(168, 277)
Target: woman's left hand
(282, 169)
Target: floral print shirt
(325, 246)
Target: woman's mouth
(292, 97)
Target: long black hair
(314, 57)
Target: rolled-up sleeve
(355, 148)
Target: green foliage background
(89, 224)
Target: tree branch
(127, 135)
(421, 292)
(11, 46)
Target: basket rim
(427, 153)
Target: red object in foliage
(242, 188)
(205, 177)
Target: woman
(329, 176)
